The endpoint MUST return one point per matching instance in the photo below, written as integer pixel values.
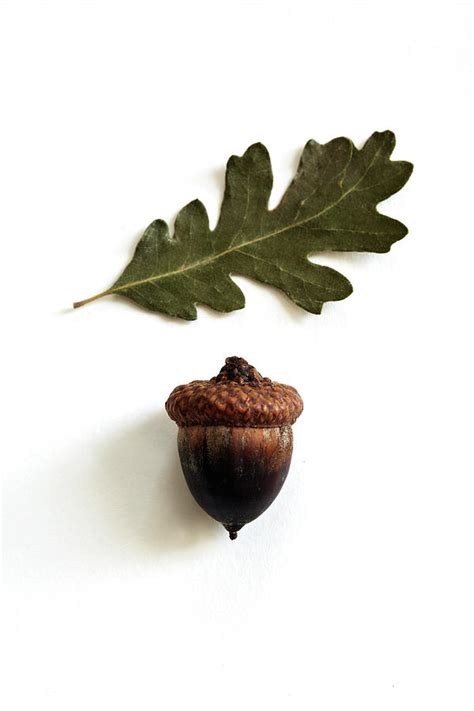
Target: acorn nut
(235, 440)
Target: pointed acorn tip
(233, 530)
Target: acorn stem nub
(233, 530)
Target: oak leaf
(329, 206)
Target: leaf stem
(78, 304)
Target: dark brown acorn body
(235, 441)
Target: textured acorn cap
(238, 397)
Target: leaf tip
(257, 150)
(388, 134)
(384, 140)
(409, 167)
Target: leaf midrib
(261, 238)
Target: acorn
(235, 440)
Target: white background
(355, 590)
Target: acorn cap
(238, 397)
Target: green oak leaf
(329, 206)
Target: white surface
(354, 591)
